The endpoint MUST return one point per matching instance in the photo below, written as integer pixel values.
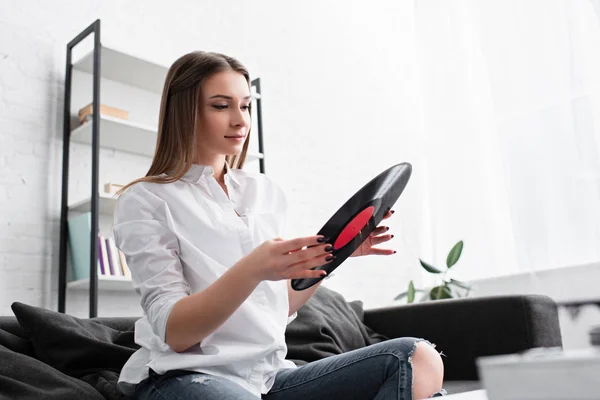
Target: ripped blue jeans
(380, 371)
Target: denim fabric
(381, 371)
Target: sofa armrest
(467, 328)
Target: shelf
(143, 82)
(124, 135)
(124, 68)
(106, 204)
(105, 282)
(127, 69)
(119, 134)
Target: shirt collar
(197, 171)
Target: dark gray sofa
(50, 355)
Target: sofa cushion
(327, 325)
(10, 324)
(24, 377)
(15, 343)
(80, 348)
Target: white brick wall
(325, 135)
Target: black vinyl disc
(348, 228)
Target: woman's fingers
(379, 230)
(303, 274)
(389, 214)
(294, 245)
(381, 252)
(309, 264)
(380, 239)
(309, 253)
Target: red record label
(354, 227)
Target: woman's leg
(180, 384)
(395, 369)
(428, 371)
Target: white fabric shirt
(178, 238)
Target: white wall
(332, 117)
(338, 85)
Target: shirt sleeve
(292, 317)
(151, 249)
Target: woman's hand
(376, 237)
(279, 259)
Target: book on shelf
(103, 256)
(102, 268)
(119, 266)
(88, 110)
(111, 261)
(112, 188)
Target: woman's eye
(224, 106)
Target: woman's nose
(240, 118)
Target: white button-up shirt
(178, 238)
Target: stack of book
(110, 262)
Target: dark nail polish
(387, 228)
(392, 236)
(322, 240)
(328, 248)
(330, 258)
(394, 251)
(393, 211)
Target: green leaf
(429, 268)
(460, 284)
(446, 292)
(454, 254)
(411, 292)
(440, 292)
(404, 294)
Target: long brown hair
(178, 119)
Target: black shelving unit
(94, 29)
(64, 207)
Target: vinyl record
(348, 228)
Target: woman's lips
(238, 138)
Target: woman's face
(224, 114)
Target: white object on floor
(542, 374)
(473, 395)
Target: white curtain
(510, 132)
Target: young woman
(202, 238)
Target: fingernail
(322, 239)
(328, 248)
(394, 251)
(392, 236)
(387, 228)
(329, 258)
(323, 273)
(392, 211)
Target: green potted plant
(448, 288)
